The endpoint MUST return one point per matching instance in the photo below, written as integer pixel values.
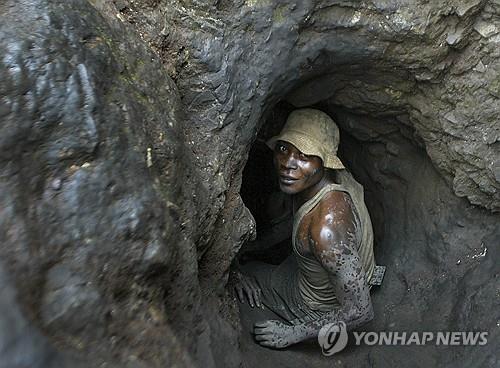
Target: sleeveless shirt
(314, 285)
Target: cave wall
(435, 63)
(126, 126)
(92, 162)
(441, 252)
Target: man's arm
(333, 243)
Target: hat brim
(330, 160)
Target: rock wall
(441, 252)
(433, 65)
(92, 163)
(126, 126)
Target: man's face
(296, 170)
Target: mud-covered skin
(327, 234)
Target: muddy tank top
(314, 285)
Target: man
(326, 278)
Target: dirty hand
(248, 285)
(275, 334)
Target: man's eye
(281, 148)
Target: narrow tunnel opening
(378, 145)
(412, 208)
(260, 187)
(360, 151)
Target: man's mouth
(287, 179)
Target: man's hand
(248, 286)
(276, 334)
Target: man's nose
(290, 162)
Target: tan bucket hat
(314, 133)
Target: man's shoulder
(335, 203)
(333, 219)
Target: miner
(326, 279)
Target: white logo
(333, 338)
(451, 338)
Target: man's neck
(307, 194)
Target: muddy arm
(351, 290)
(333, 243)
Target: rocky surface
(92, 164)
(126, 126)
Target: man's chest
(303, 236)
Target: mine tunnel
(134, 171)
(378, 144)
(410, 204)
